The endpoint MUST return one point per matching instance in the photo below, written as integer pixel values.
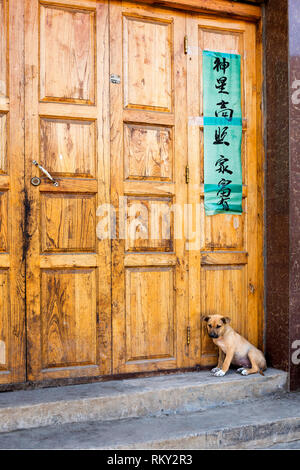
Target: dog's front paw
(219, 373)
(244, 372)
(215, 369)
(240, 370)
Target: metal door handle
(46, 173)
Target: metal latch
(115, 79)
(187, 175)
(35, 181)
(188, 335)
(185, 44)
(46, 173)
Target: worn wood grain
(4, 62)
(12, 263)
(260, 155)
(67, 46)
(68, 147)
(68, 268)
(225, 265)
(148, 155)
(3, 143)
(213, 7)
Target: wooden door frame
(12, 256)
(214, 7)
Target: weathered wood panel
(150, 225)
(4, 221)
(67, 52)
(68, 222)
(147, 62)
(68, 147)
(3, 143)
(5, 324)
(150, 321)
(4, 64)
(223, 291)
(148, 152)
(68, 317)
(224, 231)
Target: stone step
(260, 423)
(291, 445)
(132, 398)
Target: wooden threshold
(30, 385)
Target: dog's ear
(226, 320)
(205, 318)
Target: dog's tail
(261, 371)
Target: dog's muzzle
(213, 335)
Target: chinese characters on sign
(222, 133)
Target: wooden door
(12, 196)
(225, 251)
(68, 267)
(115, 281)
(148, 160)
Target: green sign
(222, 133)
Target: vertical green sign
(222, 133)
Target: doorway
(106, 233)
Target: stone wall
(282, 133)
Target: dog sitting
(233, 348)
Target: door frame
(13, 196)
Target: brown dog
(237, 350)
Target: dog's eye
(218, 326)
(210, 326)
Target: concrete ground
(193, 410)
(119, 399)
(294, 445)
(261, 423)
